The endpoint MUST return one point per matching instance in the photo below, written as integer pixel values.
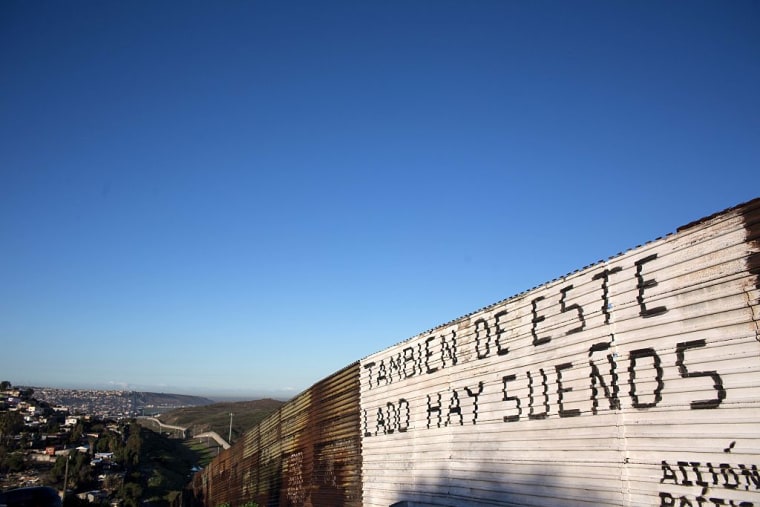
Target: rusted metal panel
(308, 453)
(635, 381)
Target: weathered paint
(308, 453)
(635, 381)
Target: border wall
(308, 452)
(633, 381)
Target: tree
(12, 462)
(131, 492)
(76, 433)
(80, 472)
(133, 445)
(10, 423)
(59, 469)
(5, 385)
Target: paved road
(208, 434)
(163, 426)
(215, 436)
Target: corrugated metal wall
(635, 381)
(308, 453)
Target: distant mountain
(216, 417)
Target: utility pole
(229, 439)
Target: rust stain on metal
(751, 216)
(307, 454)
(748, 204)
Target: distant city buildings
(98, 403)
(114, 404)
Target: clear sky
(241, 198)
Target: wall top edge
(739, 208)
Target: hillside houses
(34, 436)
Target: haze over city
(240, 198)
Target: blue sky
(240, 198)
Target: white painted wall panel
(635, 381)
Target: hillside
(216, 417)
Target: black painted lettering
(610, 392)
(409, 358)
(428, 355)
(668, 474)
(364, 423)
(731, 482)
(474, 395)
(516, 417)
(368, 366)
(500, 349)
(482, 335)
(681, 349)
(536, 319)
(575, 306)
(403, 407)
(562, 390)
(394, 366)
(642, 285)
(392, 417)
(667, 500)
(682, 467)
(419, 358)
(718, 501)
(545, 413)
(605, 277)
(381, 373)
(454, 408)
(434, 409)
(751, 476)
(449, 348)
(635, 357)
(713, 473)
(380, 421)
(699, 481)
